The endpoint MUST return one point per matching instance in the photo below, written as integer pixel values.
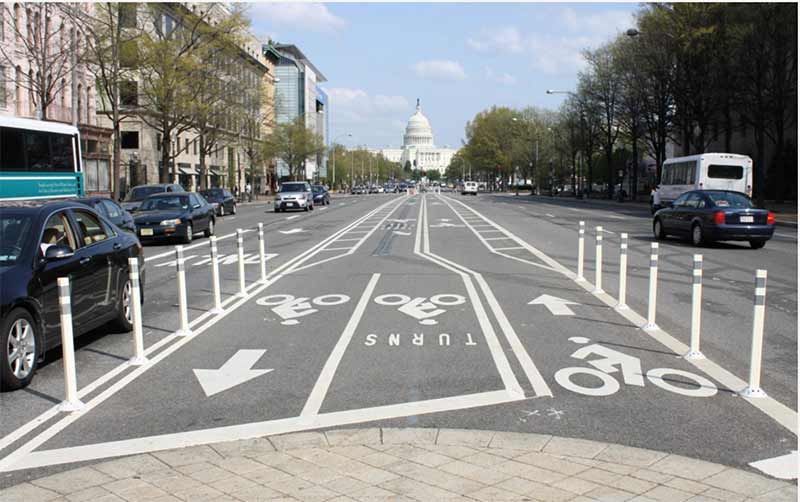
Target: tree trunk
(203, 177)
(163, 173)
(635, 169)
(116, 193)
(781, 187)
(760, 180)
(609, 161)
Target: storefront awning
(187, 169)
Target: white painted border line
(509, 249)
(20, 432)
(498, 239)
(201, 243)
(260, 429)
(779, 412)
(337, 249)
(320, 390)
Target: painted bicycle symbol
(422, 309)
(290, 308)
(612, 361)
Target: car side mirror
(58, 252)
(196, 206)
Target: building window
(158, 141)
(130, 139)
(194, 143)
(128, 53)
(186, 145)
(127, 15)
(128, 93)
(96, 175)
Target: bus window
(10, 151)
(725, 172)
(37, 146)
(61, 148)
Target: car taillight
(719, 217)
(770, 218)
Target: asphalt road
(416, 311)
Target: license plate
(746, 219)
(146, 231)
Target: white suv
(470, 187)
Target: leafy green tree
(294, 144)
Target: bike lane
(610, 380)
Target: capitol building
(418, 146)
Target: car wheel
(757, 244)
(233, 209)
(18, 358)
(189, 233)
(222, 209)
(210, 230)
(124, 320)
(305, 209)
(697, 235)
(658, 230)
(277, 210)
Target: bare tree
(40, 38)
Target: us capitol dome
(418, 146)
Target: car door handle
(86, 260)
(117, 246)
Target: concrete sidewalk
(404, 465)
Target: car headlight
(170, 223)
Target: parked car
(321, 195)
(402, 187)
(294, 195)
(112, 211)
(715, 215)
(39, 244)
(221, 200)
(469, 187)
(174, 215)
(139, 193)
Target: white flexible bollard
(697, 304)
(598, 261)
(651, 297)
(215, 276)
(581, 231)
(623, 272)
(240, 250)
(759, 305)
(261, 253)
(183, 308)
(71, 401)
(138, 358)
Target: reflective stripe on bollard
(71, 401)
(651, 302)
(240, 249)
(581, 231)
(623, 271)
(697, 304)
(598, 261)
(215, 276)
(261, 252)
(138, 358)
(754, 387)
(182, 301)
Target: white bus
(39, 160)
(707, 171)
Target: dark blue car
(112, 211)
(715, 215)
(174, 216)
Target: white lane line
(487, 231)
(337, 249)
(292, 217)
(7, 463)
(322, 208)
(498, 356)
(203, 243)
(779, 412)
(348, 240)
(261, 429)
(320, 390)
(509, 249)
(550, 215)
(616, 217)
(574, 209)
(497, 238)
(535, 378)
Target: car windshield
(14, 233)
(293, 187)
(141, 193)
(176, 202)
(317, 189)
(212, 195)
(730, 199)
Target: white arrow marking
(402, 233)
(298, 307)
(292, 231)
(556, 305)
(235, 371)
(417, 308)
(783, 467)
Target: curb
(402, 464)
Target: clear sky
(457, 58)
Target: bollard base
(580, 279)
(138, 361)
(217, 310)
(183, 332)
(694, 354)
(71, 406)
(650, 327)
(752, 392)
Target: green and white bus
(39, 160)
